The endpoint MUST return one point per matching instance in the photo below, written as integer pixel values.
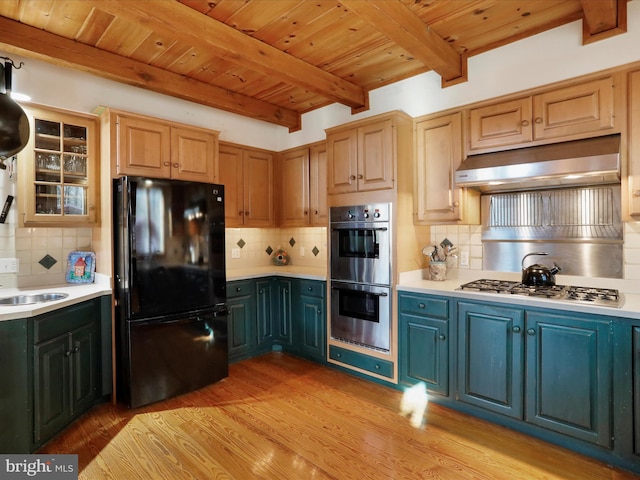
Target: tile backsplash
(307, 246)
(631, 253)
(31, 245)
(468, 237)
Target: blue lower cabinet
(310, 325)
(557, 365)
(277, 313)
(52, 371)
(15, 404)
(423, 333)
(636, 390)
(361, 361)
(242, 319)
(265, 305)
(490, 357)
(285, 311)
(569, 375)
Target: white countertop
(295, 271)
(102, 286)
(414, 282)
(77, 293)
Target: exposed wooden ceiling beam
(403, 27)
(603, 19)
(35, 43)
(194, 28)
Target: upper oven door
(360, 252)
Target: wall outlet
(235, 253)
(464, 258)
(9, 265)
(302, 251)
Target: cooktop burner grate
(607, 297)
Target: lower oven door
(360, 314)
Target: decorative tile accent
(269, 250)
(241, 243)
(315, 251)
(47, 261)
(292, 241)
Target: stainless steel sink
(35, 298)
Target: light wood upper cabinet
(247, 175)
(293, 170)
(342, 153)
(560, 114)
(153, 148)
(303, 186)
(438, 154)
(194, 154)
(500, 124)
(230, 175)
(318, 204)
(361, 156)
(583, 108)
(144, 147)
(58, 169)
(633, 177)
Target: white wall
(539, 60)
(82, 92)
(545, 58)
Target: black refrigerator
(169, 288)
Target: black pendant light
(14, 125)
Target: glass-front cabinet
(58, 169)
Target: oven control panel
(374, 212)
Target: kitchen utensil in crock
(539, 275)
(14, 125)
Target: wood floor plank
(280, 417)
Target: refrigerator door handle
(223, 312)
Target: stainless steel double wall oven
(360, 274)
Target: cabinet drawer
(312, 288)
(240, 288)
(53, 324)
(355, 359)
(424, 305)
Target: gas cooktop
(605, 297)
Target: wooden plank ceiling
(274, 60)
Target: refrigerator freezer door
(175, 355)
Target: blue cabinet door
(265, 313)
(569, 375)
(490, 357)
(423, 334)
(242, 337)
(284, 311)
(636, 389)
(14, 380)
(309, 320)
(312, 325)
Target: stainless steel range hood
(579, 162)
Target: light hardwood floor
(280, 417)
